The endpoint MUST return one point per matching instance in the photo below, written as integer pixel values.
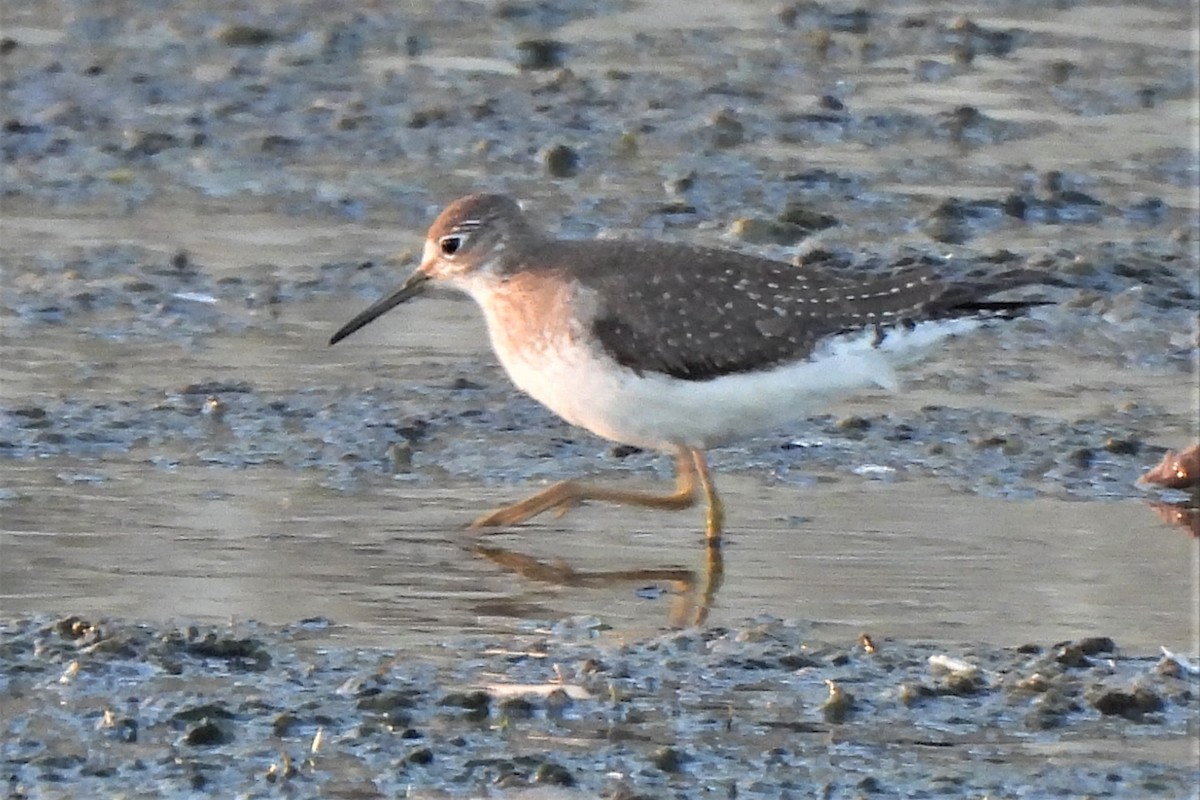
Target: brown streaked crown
(474, 229)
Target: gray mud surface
(194, 196)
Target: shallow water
(394, 567)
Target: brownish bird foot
(563, 496)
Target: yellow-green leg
(715, 516)
(561, 497)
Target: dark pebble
(422, 755)
(126, 730)
(962, 684)
(284, 723)
(669, 759)
(245, 36)
(561, 161)
(1131, 705)
(475, 699)
(540, 54)
(754, 230)
(206, 733)
(1072, 656)
(244, 654)
(913, 693)
(869, 785)
(516, 708)
(553, 775)
(797, 213)
(207, 711)
(1096, 644)
(277, 144)
(424, 117)
(1082, 457)
(726, 130)
(151, 143)
(476, 704)
(798, 661)
(385, 702)
(1123, 447)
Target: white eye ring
(451, 244)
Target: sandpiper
(679, 348)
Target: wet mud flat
(194, 198)
(567, 710)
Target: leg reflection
(694, 595)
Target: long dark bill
(411, 288)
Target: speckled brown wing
(707, 313)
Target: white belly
(654, 411)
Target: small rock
(726, 130)
(627, 146)
(476, 703)
(669, 759)
(911, 693)
(1093, 645)
(1072, 656)
(561, 161)
(386, 702)
(1060, 70)
(1122, 447)
(424, 117)
(1036, 683)
(277, 144)
(202, 712)
(838, 705)
(853, 424)
(206, 733)
(515, 708)
(869, 785)
(540, 54)
(798, 661)
(800, 215)
(1082, 458)
(1131, 705)
(962, 684)
(557, 702)
(422, 755)
(150, 143)
(766, 231)
(284, 723)
(245, 36)
(401, 454)
(553, 775)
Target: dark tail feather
(1000, 309)
(970, 298)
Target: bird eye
(450, 244)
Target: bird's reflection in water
(694, 594)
